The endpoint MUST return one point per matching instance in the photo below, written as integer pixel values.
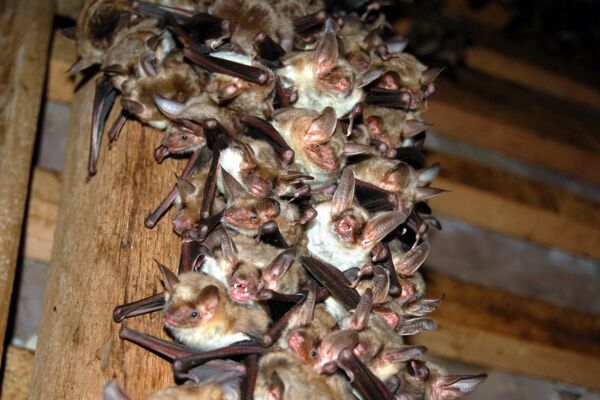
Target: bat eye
(313, 353)
(194, 314)
(184, 137)
(253, 217)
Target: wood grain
(103, 256)
(60, 84)
(515, 206)
(493, 328)
(25, 29)
(42, 213)
(16, 378)
(513, 69)
(518, 123)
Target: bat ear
(228, 92)
(399, 172)
(275, 387)
(187, 190)
(380, 226)
(168, 277)
(327, 52)
(430, 75)
(424, 193)
(344, 194)
(367, 77)
(426, 175)
(279, 265)
(209, 297)
(233, 189)
(249, 156)
(414, 126)
(413, 326)
(170, 108)
(307, 310)
(413, 259)
(322, 127)
(230, 252)
(455, 386)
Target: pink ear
(187, 190)
(209, 297)
(326, 54)
(322, 127)
(168, 277)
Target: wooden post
(103, 256)
(25, 31)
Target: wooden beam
(103, 256)
(493, 328)
(536, 77)
(42, 214)
(61, 85)
(16, 377)
(492, 14)
(514, 206)
(25, 29)
(502, 117)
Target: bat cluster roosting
(301, 208)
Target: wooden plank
(42, 214)
(61, 85)
(492, 14)
(492, 328)
(103, 256)
(513, 69)
(526, 53)
(17, 374)
(25, 29)
(483, 257)
(514, 206)
(509, 120)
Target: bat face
(182, 141)
(304, 346)
(349, 226)
(250, 214)
(189, 310)
(245, 283)
(323, 155)
(330, 349)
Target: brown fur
(227, 318)
(299, 382)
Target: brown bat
(255, 216)
(408, 185)
(170, 77)
(249, 18)
(263, 267)
(253, 163)
(322, 77)
(406, 83)
(97, 23)
(390, 129)
(288, 373)
(317, 141)
(198, 112)
(284, 377)
(199, 313)
(239, 95)
(190, 200)
(214, 380)
(343, 233)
